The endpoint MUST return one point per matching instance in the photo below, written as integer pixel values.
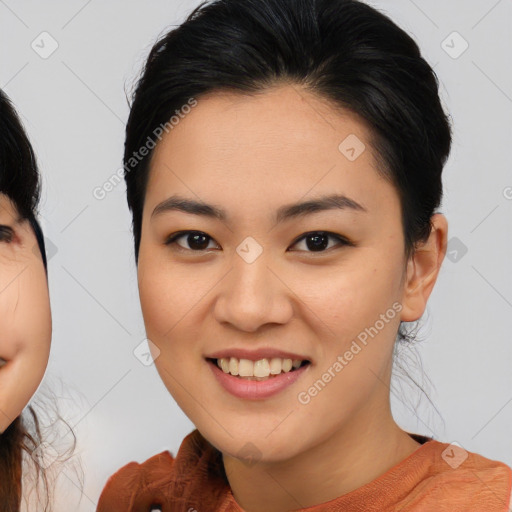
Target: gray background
(74, 107)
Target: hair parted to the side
(344, 51)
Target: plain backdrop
(66, 66)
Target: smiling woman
(284, 231)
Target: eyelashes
(6, 234)
(201, 238)
(316, 235)
(172, 239)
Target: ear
(422, 270)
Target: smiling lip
(255, 355)
(253, 389)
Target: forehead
(282, 141)
(228, 119)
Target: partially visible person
(25, 317)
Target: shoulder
(156, 466)
(478, 482)
(137, 486)
(134, 479)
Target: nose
(252, 295)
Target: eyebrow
(286, 212)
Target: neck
(351, 457)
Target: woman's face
(25, 321)
(253, 287)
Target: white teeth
(246, 368)
(276, 365)
(233, 366)
(224, 364)
(260, 369)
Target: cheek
(171, 294)
(161, 303)
(25, 334)
(25, 318)
(166, 308)
(169, 306)
(348, 295)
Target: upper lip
(255, 355)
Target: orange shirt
(436, 477)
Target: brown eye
(197, 240)
(318, 241)
(6, 234)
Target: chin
(252, 444)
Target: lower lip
(253, 389)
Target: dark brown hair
(16, 440)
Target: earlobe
(423, 269)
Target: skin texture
(250, 156)
(25, 326)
